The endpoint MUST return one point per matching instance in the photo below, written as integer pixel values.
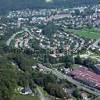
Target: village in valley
(60, 43)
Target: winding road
(12, 38)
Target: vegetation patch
(89, 33)
(23, 97)
(86, 33)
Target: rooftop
(97, 66)
(84, 74)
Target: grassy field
(22, 97)
(89, 33)
(86, 33)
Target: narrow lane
(42, 97)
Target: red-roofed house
(83, 75)
(97, 68)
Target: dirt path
(42, 97)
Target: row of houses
(86, 76)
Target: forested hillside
(21, 4)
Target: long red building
(86, 76)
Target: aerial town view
(49, 50)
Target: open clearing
(23, 97)
(86, 33)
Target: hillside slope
(21, 4)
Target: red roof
(85, 75)
(97, 66)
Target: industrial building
(86, 76)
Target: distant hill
(21, 4)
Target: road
(95, 45)
(70, 79)
(12, 38)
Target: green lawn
(87, 33)
(28, 97)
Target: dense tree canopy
(56, 90)
(7, 80)
(69, 61)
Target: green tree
(69, 61)
(89, 62)
(78, 60)
(56, 90)
(7, 82)
(49, 29)
(77, 12)
(77, 93)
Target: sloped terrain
(21, 4)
